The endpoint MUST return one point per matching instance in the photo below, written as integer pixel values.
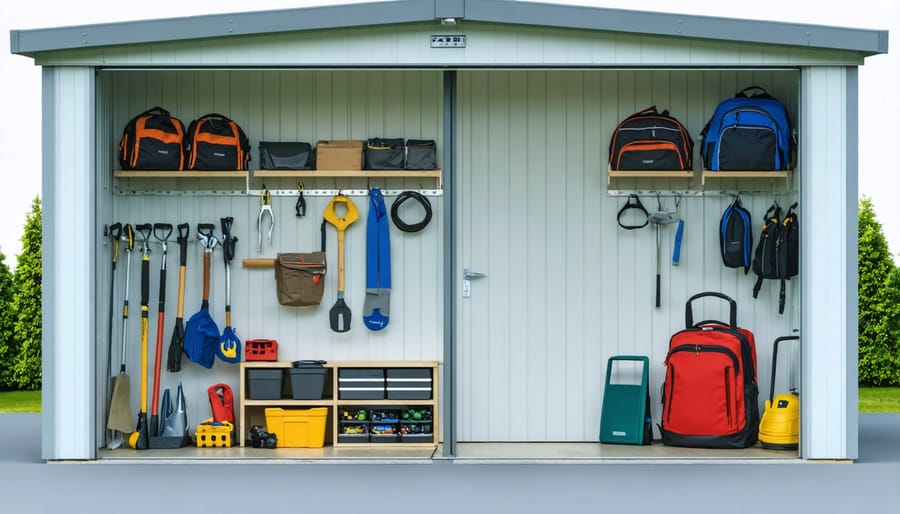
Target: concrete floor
(871, 484)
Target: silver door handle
(468, 274)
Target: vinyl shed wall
(584, 106)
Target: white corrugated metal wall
(277, 106)
(566, 288)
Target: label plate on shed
(448, 41)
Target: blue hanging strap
(376, 309)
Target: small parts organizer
(261, 350)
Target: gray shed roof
(31, 42)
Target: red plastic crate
(261, 350)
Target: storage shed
(523, 284)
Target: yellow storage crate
(297, 428)
(212, 434)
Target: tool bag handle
(775, 360)
(689, 314)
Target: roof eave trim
(30, 42)
(868, 42)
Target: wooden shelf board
(651, 173)
(348, 173)
(288, 402)
(370, 445)
(179, 174)
(744, 174)
(382, 403)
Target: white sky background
(20, 85)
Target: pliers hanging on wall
(265, 201)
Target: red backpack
(710, 393)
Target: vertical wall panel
(566, 288)
(281, 106)
(68, 267)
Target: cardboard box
(339, 155)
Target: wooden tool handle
(259, 263)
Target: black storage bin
(408, 383)
(308, 380)
(421, 154)
(264, 384)
(384, 154)
(361, 384)
(353, 431)
(285, 155)
(416, 432)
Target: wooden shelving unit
(313, 174)
(255, 408)
(246, 176)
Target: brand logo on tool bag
(648, 161)
(163, 152)
(218, 154)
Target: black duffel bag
(421, 154)
(384, 153)
(285, 155)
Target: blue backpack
(748, 132)
(736, 236)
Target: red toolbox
(261, 350)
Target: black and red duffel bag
(710, 393)
(650, 140)
(152, 140)
(214, 142)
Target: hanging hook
(300, 206)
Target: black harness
(633, 203)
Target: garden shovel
(176, 344)
(119, 420)
(340, 313)
(229, 348)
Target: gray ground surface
(27, 484)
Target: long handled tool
(114, 233)
(660, 217)
(176, 344)
(201, 335)
(119, 420)
(162, 232)
(140, 439)
(229, 348)
(340, 312)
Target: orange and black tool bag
(650, 140)
(214, 142)
(152, 140)
(710, 394)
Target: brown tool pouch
(300, 278)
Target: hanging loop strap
(423, 201)
(633, 203)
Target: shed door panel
(524, 209)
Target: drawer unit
(361, 384)
(408, 383)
